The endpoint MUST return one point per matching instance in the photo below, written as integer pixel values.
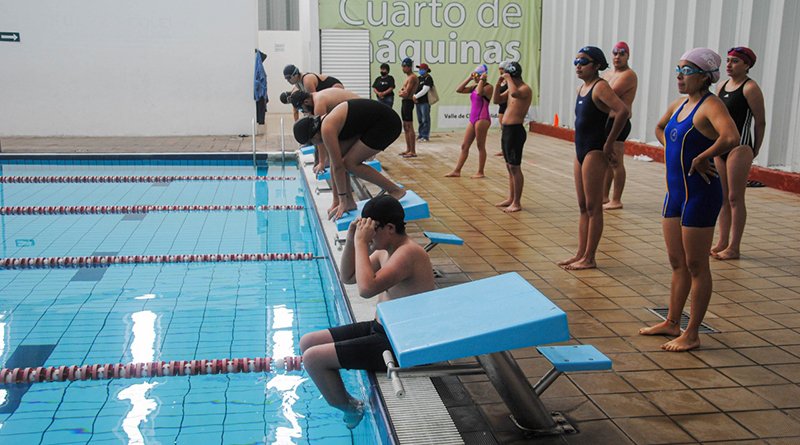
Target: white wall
(658, 32)
(282, 48)
(128, 68)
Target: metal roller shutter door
(345, 56)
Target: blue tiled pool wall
(90, 321)
(329, 275)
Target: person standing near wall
(309, 82)
(594, 149)
(695, 129)
(479, 119)
(514, 135)
(423, 103)
(745, 102)
(383, 87)
(407, 107)
(624, 82)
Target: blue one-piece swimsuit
(689, 197)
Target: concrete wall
(113, 68)
(658, 32)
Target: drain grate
(663, 311)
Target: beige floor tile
(652, 380)
(734, 399)
(601, 383)
(753, 375)
(708, 427)
(653, 430)
(625, 405)
(782, 396)
(680, 402)
(702, 378)
(771, 423)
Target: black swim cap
(285, 97)
(298, 97)
(597, 56)
(306, 128)
(290, 70)
(513, 69)
(385, 209)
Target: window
(278, 15)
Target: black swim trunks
(361, 345)
(407, 110)
(623, 135)
(512, 141)
(376, 125)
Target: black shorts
(623, 135)
(361, 345)
(407, 110)
(383, 132)
(512, 142)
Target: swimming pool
(166, 311)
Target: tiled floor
(742, 386)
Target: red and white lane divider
(112, 179)
(89, 261)
(41, 374)
(90, 210)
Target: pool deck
(741, 386)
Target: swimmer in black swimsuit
(745, 102)
(309, 82)
(352, 132)
(594, 148)
(500, 96)
(382, 260)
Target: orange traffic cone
(555, 120)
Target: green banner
(451, 36)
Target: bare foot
(453, 174)
(410, 155)
(478, 176)
(727, 254)
(664, 328)
(718, 248)
(504, 203)
(404, 153)
(569, 261)
(581, 265)
(352, 416)
(333, 209)
(686, 342)
(606, 200)
(513, 208)
(499, 153)
(612, 205)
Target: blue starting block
(307, 149)
(414, 207)
(325, 175)
(466, 320)
(486, 318)
(437, 238)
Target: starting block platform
(481, 317)
(414, 207)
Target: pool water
(166, 311)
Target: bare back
(326, 100)
(518, 106)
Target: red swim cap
(746, 54)
(623, 46)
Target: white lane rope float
(116, 209)
(42, 374)
(101, 261)
(129, 178)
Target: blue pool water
(155, 312)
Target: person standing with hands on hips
(423, 104)
(383, 87)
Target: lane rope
(128, 178)
(90, 261)
(103, 210)
(42, 374)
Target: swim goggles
(582, 61)
(616, 51)
(688, 70)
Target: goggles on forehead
(582, 61)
